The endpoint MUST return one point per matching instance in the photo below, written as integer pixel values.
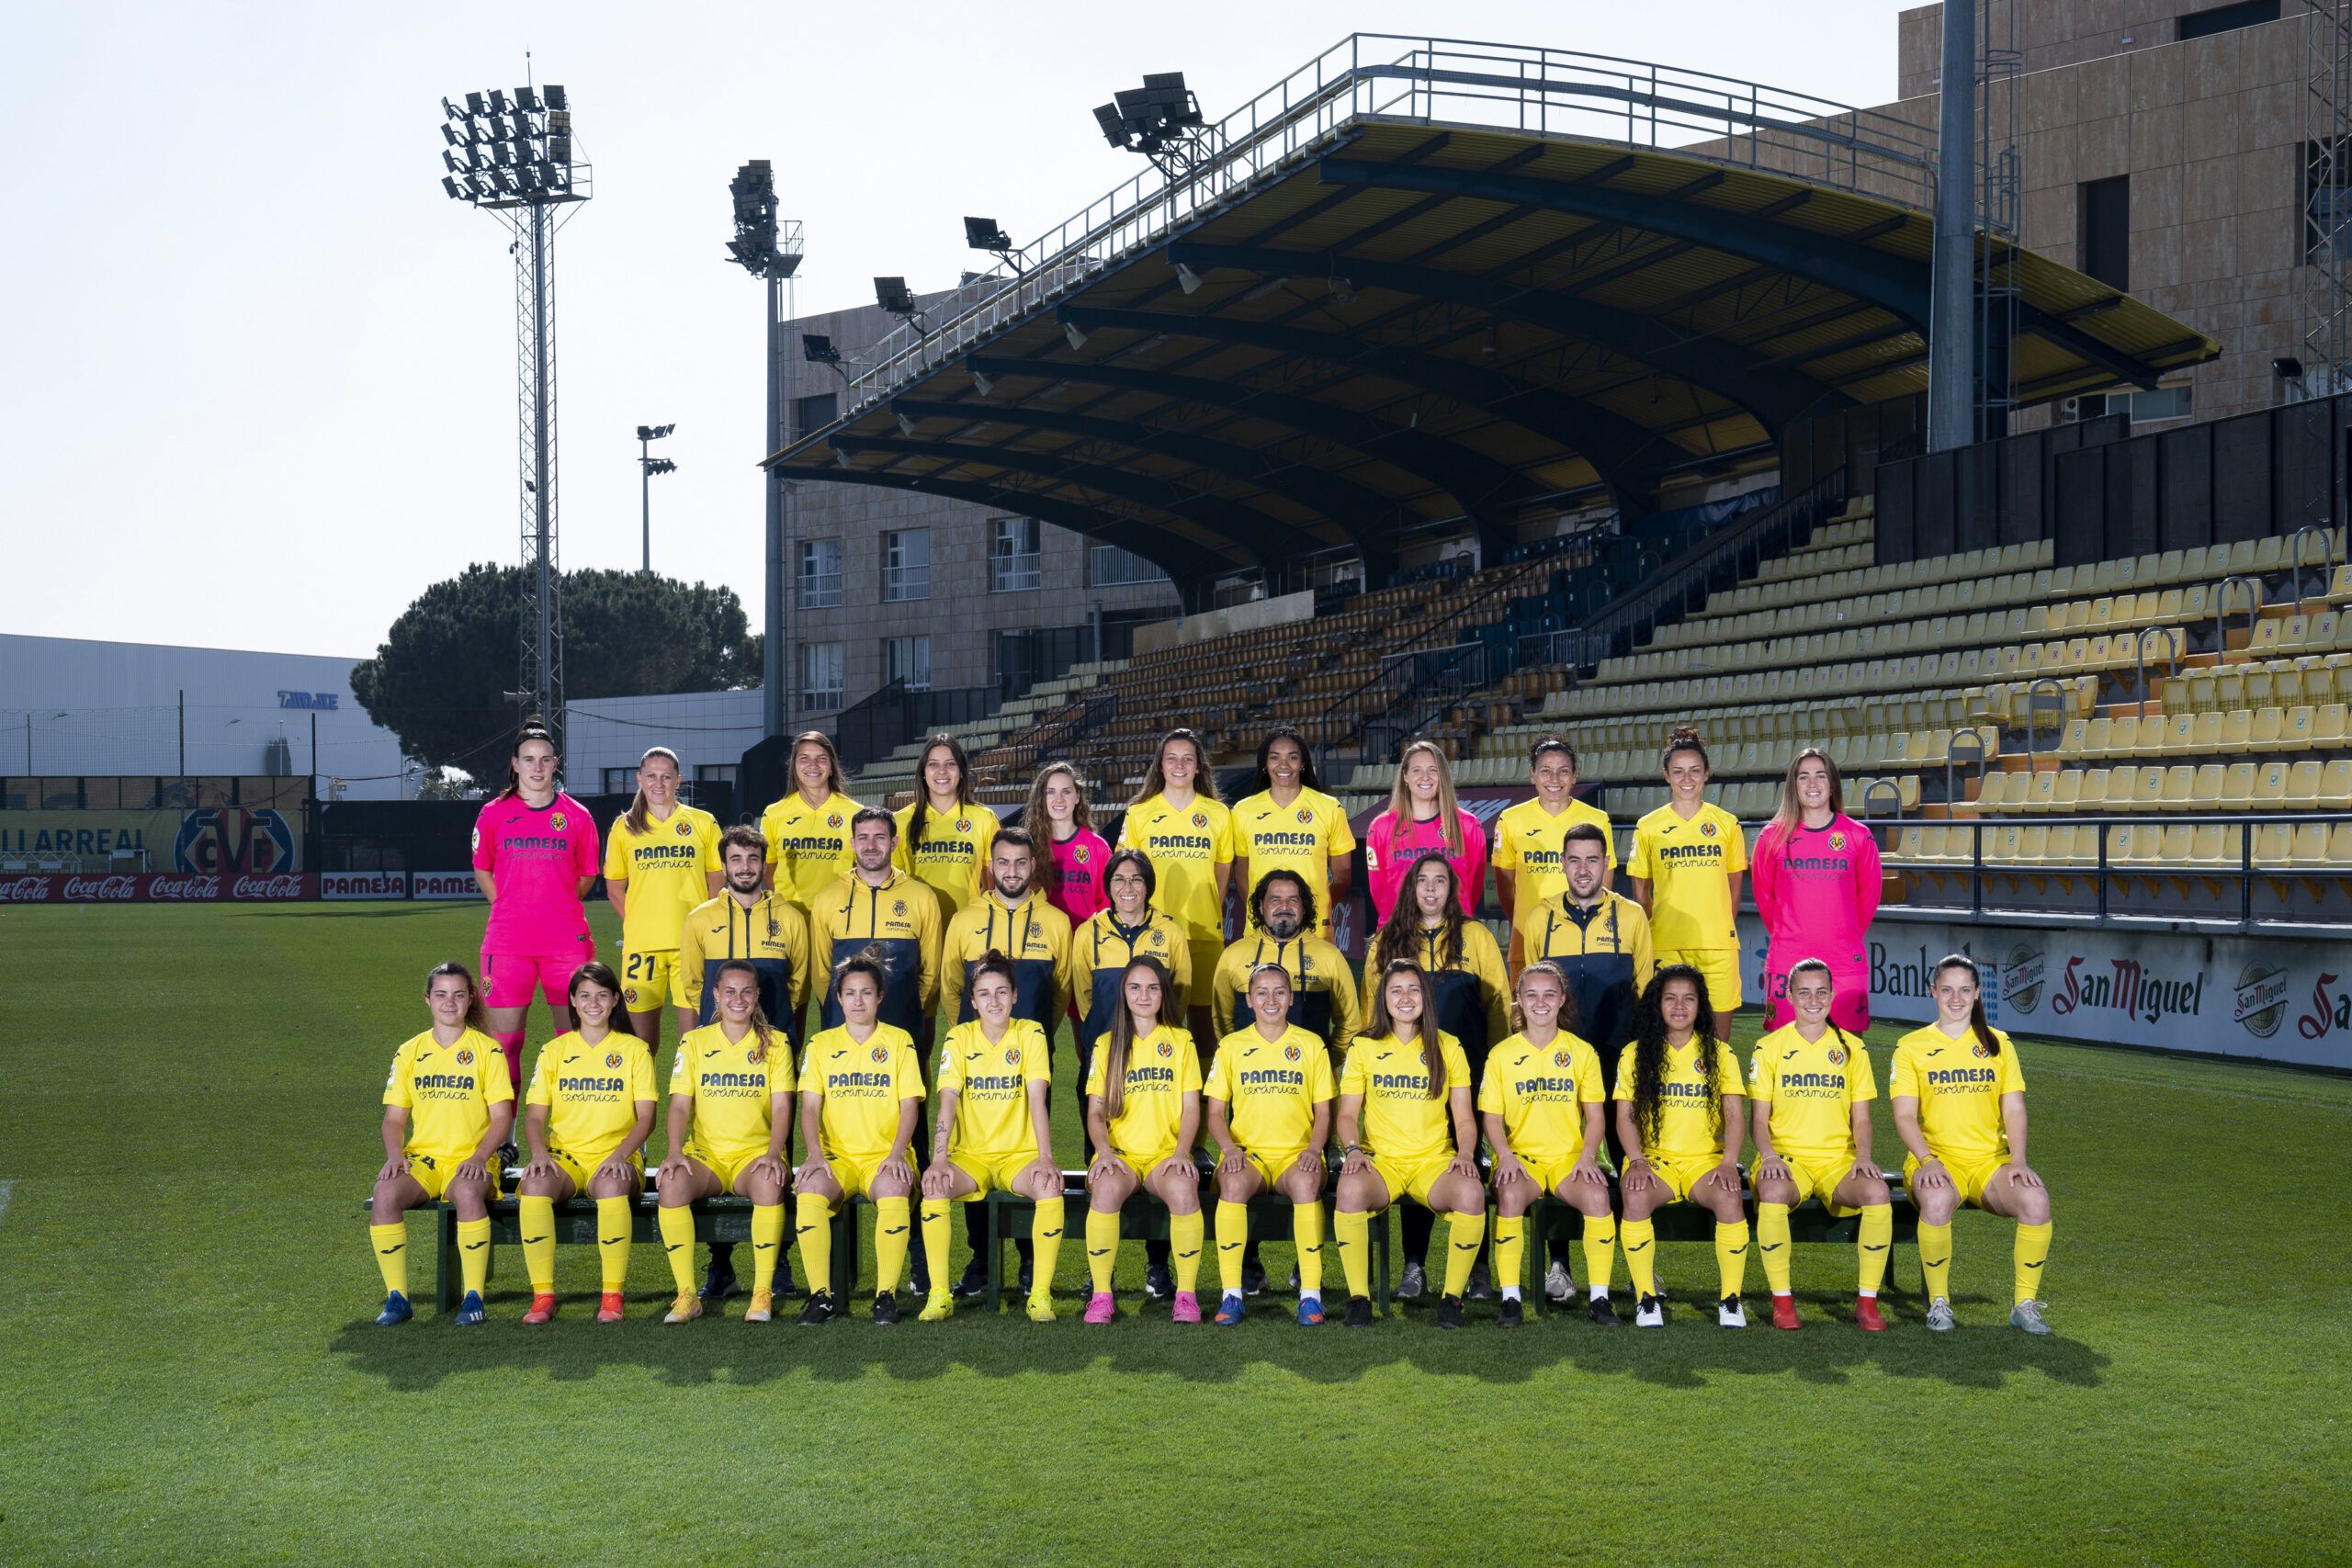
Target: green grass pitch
(190, 1372)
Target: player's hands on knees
(470, 1172)
(1772, 1167)
(1933, 1177)
(1233, 1162)
(1310, 1164)
(1585, 1170)
(1638, 1176)
(1355, 1163)
(1509, 1169)
(1462, 1165)
(897, 1168)
(1868, 1170)
(673, 1168)
(2022, 1174)
(613, 1170)
(1178, 1170)
(1046, 1177)
(394, 1168)
(768, 1166)
(543, 1168)
(1104, 1168)
(817, 1168)
(936, 1179)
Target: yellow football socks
(2032, 1251)
(1510, 1246)
(812, 1226)
(1731, 1256)
(613, 1231)
(1045, 1241)
(1639, 1238)
(1467, 1230)
(767, 1242)
(935, 1243)
(538, 1215)
(1102, 1247)
(1601, 1253)
(1772, 1241)
(1354, 1232)
(889, 1243)
(1184, 1236)
(473, 1253)
(678, 1245)
(390, 1245)
(1935, 1260)
(1232, 1240)
(1306, 1229)
(1872, 1246)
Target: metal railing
(1387, 77)
(2327, 557)
(878, 723)
(1426, 682)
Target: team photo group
(889, 987)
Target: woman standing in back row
(1816, 888)
(1177, 820)
(1423, 819)
(945, 834)
(1687, 861)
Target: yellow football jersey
(1685, 1126)
(668, 868)
(1401, 1122)
(1541, 1092)
(1959, 1085)
(1813, 1088)
(1162, 1068)
(807, 845)
(1688, 864)
(864, 1086)
(1185, 847)
(991, 1079)
(1528, 841)
(591, 1091)
(448, 1090)
(1306, 837)
(734, 1108)
(1271, 1086)
(953, 859)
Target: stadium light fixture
(526, 100)
(982, 384)
(1187, 279)
(1076, 333)
(1162, 120)
(2288, 368)
(556, 101)
(906, 425)
(892, 295)
(988, 234)
(1343, 291)
(841, 459)
(817, 349)
(648, 466)
(475, 106)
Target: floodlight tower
(514, 157)
(1162, 120)
(769, 248)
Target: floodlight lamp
(498, 100)
(526, 100)
(1114, 124)
(660, 466)
(784, 264)
(982, 384)
(449, 160)
(906, 425)
(892, 295)
(452, 187)
(986, 234)
(2287, 369)
(1076, 335)
(450, 110)
(474, 104)
(502, 153)
(1343, 291)
(841, 459)
(1187, 279)
(817, 349)
(449, 134)
(559, 149)
(555, 98)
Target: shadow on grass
(354, 912)
(1690, 1353)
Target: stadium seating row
(2138, 847)
(2307, 785)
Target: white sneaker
(1940, 1318)
(2028, 1316)
(1730, 1313)
(1649, 1315)
(1559, 1285)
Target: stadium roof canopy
(1423, 284)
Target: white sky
(258, 380)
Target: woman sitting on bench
(1811, 1083)
(1681, 1114)
(731, 1118)
(1270, 1093)
(1542, 1099)
(1143, 1112)
(588, 1113)
(1408, 1129)
(447, 1107)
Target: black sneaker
(1511, 1314)
(886, 1308)
(1359, 1312)
(1481, 1286)
(919, 1270)
(1600, 1311)
(508, 1154)
(1027, 1273)
(719, 1282)
(820, 1309)
(1415, 1284)
(1449, 1312)
(1157, 1283)
(1253, 1275)
(974, 1279)
(782, 1289)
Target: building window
(814, 411)
(2226, 18)
(907, 659)
(821, 574)
(2327, 204)
(1013, 555)
(906, 565)
(2103, 231)
(714, 772)
(2165, 403)
(820, 676)
(620, 780)
(1108, 566)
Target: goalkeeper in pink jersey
(535, 859)
(1816, 877)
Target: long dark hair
(870, 961)
(1788, 814)
(1649, 1052)
(636, 814)
(922, 783)
(1155, 778)
(1306, 779)
(1811, 965)
(534, 728)
(596, 972)
(477, 1014)
(1378, 1023)
(1121, 1038)
(834, 779)
(1976, 1019)
(1400, 939)
(759, 1025)
(1033, 816)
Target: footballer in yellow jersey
(1143, 1109)
(1960, 1108)
(1270, 1092)
(1681, 1114)
(447, 1106)
(1527, 836)
(1289, 824)
(1459, 955)
(808, 832)
(1542, 1102)
(944, 838)
(1811, 1085)
(861, 1089)
(590, 1109)
(661, 861)
(730, 1119)
(994, 1130)
(1688, 858)
(1405, 1129)
(1187, 831)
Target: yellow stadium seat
(2070, 743)
(2098, 737)
(2328, 726)
(2091, 799)
(2237, 786)
(2269, 786)
(2267, 728)
(2303, 786)
(2266, 637)
(2335, 786)
(2122, 736)
(2310, 850)
(2179, 782)
(2124, 788)
(2238, 732)
(1909, 846)
(2339, 847)
(2155, 738)
(2211, 847)
(2205, 792)
(2272, 844)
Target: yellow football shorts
(1819, 1177)
(1271, 1164)
(990, 1173)
(434, 1172)
(1144, 1164)
(1682, 1173)
(1410, 1178)
(581, 1169)
(1550, 1173)
(1968, 1177)
(650, 980)
(855, 1172)
(726, 1166)
(1719, 964)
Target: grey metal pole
(1951, 327)
(645, 487)
(183, 732)
(540, 455)
(774, 710)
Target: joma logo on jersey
(590, 1086)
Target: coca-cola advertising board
(156, 887)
